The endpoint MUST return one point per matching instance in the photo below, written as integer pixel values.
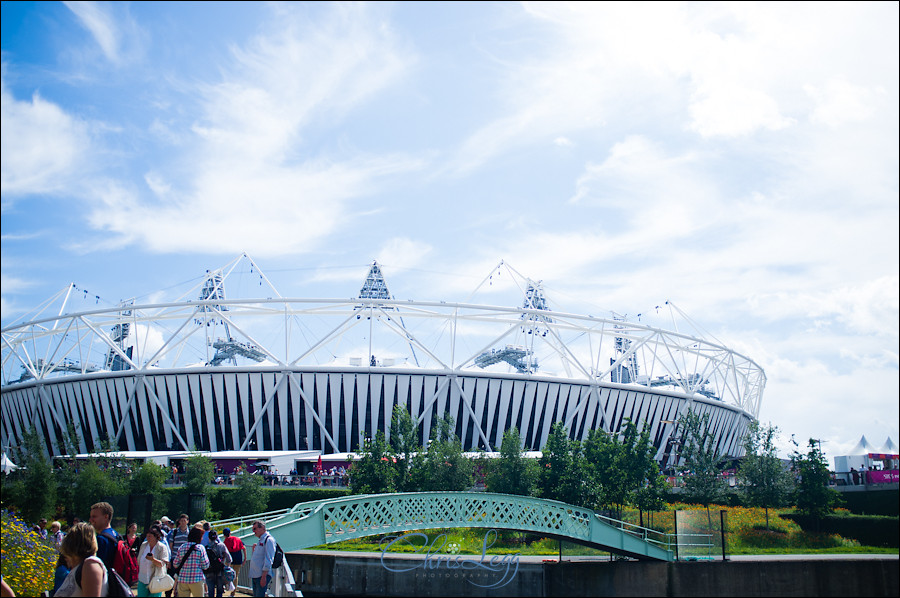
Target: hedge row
(869, 530)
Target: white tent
(863, 447)
(8, 465)
(889, 447)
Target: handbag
(162, 582)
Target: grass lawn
(746, 533)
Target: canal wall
(353, 574)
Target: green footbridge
(337, 519)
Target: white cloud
(95, 18)
(403, 252)
(720, 70)
(111, 26)
(839, 102)
(870, 308)
(732, 111)
(255, 185)
(42, 146)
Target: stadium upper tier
(160, 365)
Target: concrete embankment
(328, 573)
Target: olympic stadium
(213, 372)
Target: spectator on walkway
(80, 549)
(192, 559)
(176, 539)
(236, 549)
(215, 580)
(60, 573)
(153, 558)
(107, 537)
(56, 536)
(166, 525)
(206, 528)
(41, 528)
(261, 559)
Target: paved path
(554, 558)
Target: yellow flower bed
(27, 561)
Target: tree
(512, 473)
(249, 495)
(32, 487)
(813, 496)
(148, 478)
(404, 446)
(604, 460)
(701, 458)
(199, 472)
(95, 483)
(374, 473)
(622, 468)
(444, 468)
(764, 480)
(66, 472)
(563, 472)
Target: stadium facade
(195, 373)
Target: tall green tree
(96, 482)
(199, 472)
(813, 496)
(445, 468)
(249, 495)
(66, 472)
(31, 488)
(563, 470)
(512, 473)
(374, 473)
(703, 482)
(765, 482)
(405, 447)
(148, 478)
(604, 461)
(623, 469)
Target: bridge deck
(335, 520)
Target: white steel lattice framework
(281, 373)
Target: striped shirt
(197, 561)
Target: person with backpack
(261, 560)
(88, 575)
(190, 561)
(177, 537)
(111, 546)
(237, 550)
(107, 537)
(219, 558)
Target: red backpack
(123, 563)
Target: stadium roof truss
(299, 333)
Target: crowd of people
(197, 560)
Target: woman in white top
(80, 549)
(153, 558)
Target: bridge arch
(335, 520)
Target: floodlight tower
(375, 287)
(120, 331)
(627, 371)
(227, 349)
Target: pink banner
(890, 476)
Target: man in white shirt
(261, 560)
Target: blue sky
(740, 160)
